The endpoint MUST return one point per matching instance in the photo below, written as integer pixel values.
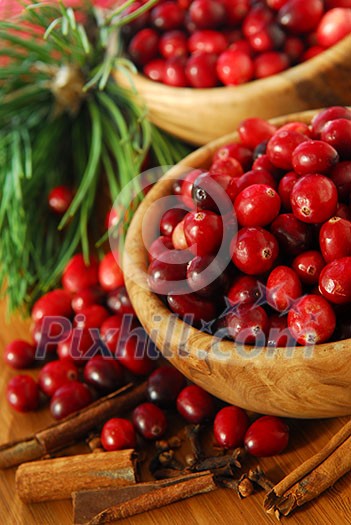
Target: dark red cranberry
(211, 190)
(311, 320)
(235, 151)
(312, 52)
(314, 156)
(207, 41)
(144, 46)
(254, 250)
(110, 331)
(118, 434)
(174, 72)
(155, 69)
(326, 115)
(335, 239)
(192, 307)
(85, 298)
(341, 176)
(248, 324)
(293, 236)
(236, 11)
(49, 328)
(294, 48)
(91, 317)
(267, 39)
(173, 43)
(253, 131)
(69, 398)
(234, 67)
(244, 290)
(314, 199)
(79, 275)
(206, 276)
(267, 436)
(138, 23)
(270, 63)
(75, 346)
(19, 354)
(195, 405)
(149, 420)
(164, 274)
(335, 282)
(203, 232)
(55, 374)
(167, 15)
(337, 133)
(334, 26)
(106, 375)
(133, 355)
(54, 303)
(207, 14)
(187, 187)
(253, 177)
(110, 273)
(281, 146)
(343, 211)
(298, 16)
(119, 303)
(201, 70)
(263, 163)
(285, 187)
(230, 426)
(257, 205)
(22, 393)
(279, 334)
(159, 246)
(164, 385)
(283, 288)
(308, 266)
(60, 199)
(257, 19)
(229, 166)
(243, 46)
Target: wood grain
(295, 382)
(219, 508)
(202, 115)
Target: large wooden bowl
(202, 115)
(307, 384)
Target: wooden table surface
(218, 508)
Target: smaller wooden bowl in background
(202, 115)
(300, 382)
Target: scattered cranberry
(55, 303)
(118, 434)
(133, 356)
(164, 385)
(19, 354)
(69, 398)
(60, 199)
(79, 275)
(149, 420)
(118, 302)
(229, 427)
(87, 297)
(55, 374)
(195, 405)
(106, 375)
(23, 393)
(110, 273)
(267, 436)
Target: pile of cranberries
(206, 43)
(93, 344)
(258, 247)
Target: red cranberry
(229, 427)
(69, 398)
(229, 166)
(243, 46)
(236, 11)
(314, 156)
(254, 250)
(173, 43)
(281, 146)
(54, 303)
(119, 303)
(174, 72)
(283, 288)
(276, 4)
(293, 236)
(201, 70)
(91, 317)
(74, 348)
(299, 16)
(207, 14)
(168, 15)
(203, 232)
(55, 374)
(164, 273)
(110, 331)
(244, 290)
(155, 70)
(133, 356)
(270, 63)
(253, 131)
(248, 324)
(312, 52)
(210, 190)
(159, 246)
(337, 133)
(87, 297)
(341, 176)
(118, 434)
(297, 127)
(311, 320)
(263, 163)
(164, 385)
(314, 199)
(195, 405)
(334, 26)
(19, 354)
(279, 334)
(192, 307)
(149, 420)
(110, 273)
(60, 199)
(308, 266)
(335, 282)
(106, 375)
(294, 48)
(206, 276)
(285, 187)
(22, 393)
(257, 205)
(49, 328)
(256, 20)
(253, 177)
(335, 239)
(267, 436)
(267, 39)
(207, 41)
(187, 187)
(79, 275)
(144, 46)
(235, 151)
(324, 116)
(234, 67)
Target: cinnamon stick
(313, 477)
(57, 478)
(72, 428)
(176, 490)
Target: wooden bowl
(202, 115)
(301, 382)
